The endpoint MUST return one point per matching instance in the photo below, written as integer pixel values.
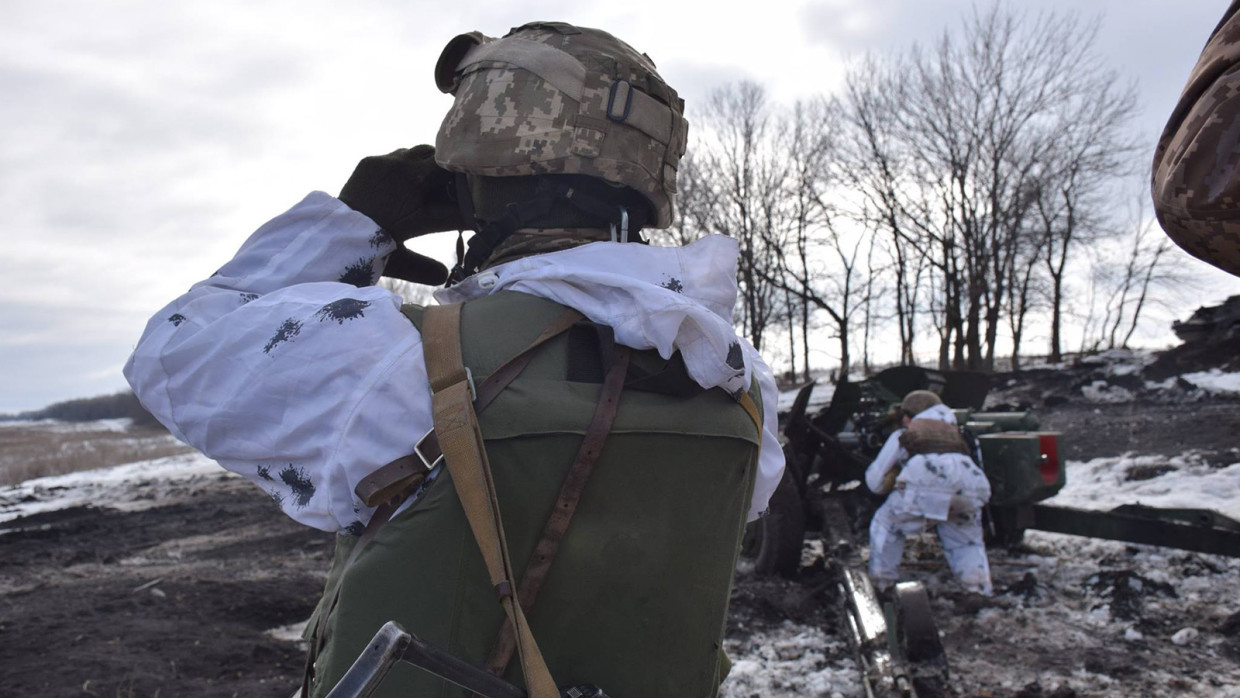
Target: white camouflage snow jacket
(927, 482)
(289, 367)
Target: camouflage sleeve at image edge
(1196, 175)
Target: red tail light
(1049, 466)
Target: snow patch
(1186, 481)
(289, 633)
(1185, 636)
(1101, 391)
(820, 397)
(1215, 381)
(791, 661)
(129, 487)
(56, 426)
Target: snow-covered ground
(1094, 617)
(1215, 381)
(127, 487)
(818, 398)
(1056, 620)
(1073, 616)
(1184, 481)
(56, 426)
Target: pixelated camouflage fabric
(509, 121)
(1196, 176)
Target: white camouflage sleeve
(889, 457)
(289, 367)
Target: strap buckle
(421, 455)
(624, 228)
(619, 101)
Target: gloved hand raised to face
(408, 195)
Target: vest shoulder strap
(456, 423)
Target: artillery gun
(822, 496)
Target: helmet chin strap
(465, 202)
(523, 214)
(624, 226)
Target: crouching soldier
(605, 433)
(932, 478)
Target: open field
(38, 449)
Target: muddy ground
(171, 601)
(177, 599)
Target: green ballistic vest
(636, 599)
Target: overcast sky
(141, 141)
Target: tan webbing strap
(566, 505)
(751, 408)
(389, 485)
(465, 456)
(397, 476)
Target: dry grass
(39, 449)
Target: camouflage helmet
(552, 98)
(919, 401)
(1194, 179)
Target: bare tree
(808, 143)
(696, 201)
(957, 143)
(1089, 151)
(1026, 291)
(742, 176)
(871, 161)
(1130, 285)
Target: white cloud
(142, 141)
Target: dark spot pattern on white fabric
(360, 273)
(264, 472)
(299, 482)
(276, 496)
(736, 359)
(381, 239)
(355, 529)
(247, 297)
(343, 309)
(673, 284)
(287, 331)
(177, 319)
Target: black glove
(411, 266)
(408, 195)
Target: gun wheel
(919, 640)
(773, 543)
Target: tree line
(120, 405)
(945, 197)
